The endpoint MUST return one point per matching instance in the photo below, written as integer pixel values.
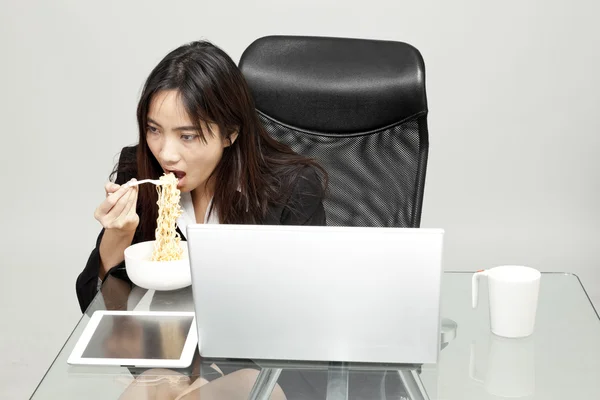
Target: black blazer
(306, 197)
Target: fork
(136, 183)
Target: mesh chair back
(356, 106)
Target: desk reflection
(507, 369)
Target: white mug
(509, 367)
(513, 296)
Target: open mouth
(178, 174)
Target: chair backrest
(356, 106)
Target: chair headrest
(335, 85)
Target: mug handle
(475, 286)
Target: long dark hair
(254, 172)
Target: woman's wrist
(112, 248)
(120, 233)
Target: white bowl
(157, 275)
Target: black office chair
(359, 108)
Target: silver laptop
(317, 293)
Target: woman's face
(178, 146)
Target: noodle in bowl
(157, 275)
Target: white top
(188, 216)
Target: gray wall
(513, 92)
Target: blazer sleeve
(87, 283)
(305, 204)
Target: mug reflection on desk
(510, 367)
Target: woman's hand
(118, 210)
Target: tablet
(137, 339)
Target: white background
(513, 90)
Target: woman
(197, 119)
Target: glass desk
(561, 360)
